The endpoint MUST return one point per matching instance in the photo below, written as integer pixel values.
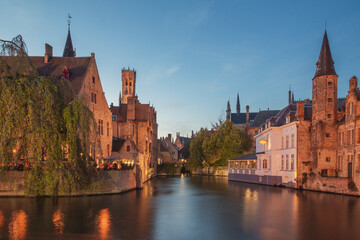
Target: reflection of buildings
(18, 225)
(58, 221)
(104, 223)
(136, 123)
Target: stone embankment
(12, 183)
(211, 171)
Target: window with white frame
(265, 164)
(287, 161)
(292, 163)
(292, 141)
(287, 142)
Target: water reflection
(58, 221)
(185, 208)
(18, 225)
(104, 223)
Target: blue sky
(192, 56)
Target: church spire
(68, 50)
(325, 64)
(228, 111)
(238, 105)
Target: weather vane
(69, 20)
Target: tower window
(329, 99)
(130, 84)
(126, 83)
(329, 84)
(327, 159)
(327, 135)
(329, 116)
(93, 80)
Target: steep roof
(241, 118)
(68, 49)
(262, 116)
(77, 67)
(325, 64)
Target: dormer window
(287, 119)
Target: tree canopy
(40, 125)
(215, 147)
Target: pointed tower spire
(292, 98)
(325, 64)
(228, 111)
(238, 105)
(68, 50)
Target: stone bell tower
(128, 84)
(324, 112)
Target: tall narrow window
(101, 127)
(287, 161)
(292, 163)
(282, 162)
(282, 142)
(108, 150)
(287, 141)
(107, 129)
(292, 140)
(93, 80)
(265, 164)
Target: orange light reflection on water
(2, 219)
(18, 225)
(58, 221)
(104, 223)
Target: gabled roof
(262, 116)
(241, 118)
(77, 67)
(325, 64)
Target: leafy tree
(40, 120)
(217, 146)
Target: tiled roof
(77, 67)
(241, 118)
(262, 116)
(142, 112)
(251, 156)
(325, 64)
(117, 144)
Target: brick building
(83, 75)
(169, 152)
(137, 122)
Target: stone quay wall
(12, 183)
(211, 171)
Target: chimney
(169, 136)
(300, 110)
(353, 84)
(247, 114)
(111, 105)
(48, 53)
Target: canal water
(185, 208)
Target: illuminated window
(292, 163)
(101, 127)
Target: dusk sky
(191, 57)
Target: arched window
(264, 163)
(126, 83)
(130, 84)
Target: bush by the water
(170, 169)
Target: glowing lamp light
(14, 150)
(263, 142)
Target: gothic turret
(325, 64)
(238, 105)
